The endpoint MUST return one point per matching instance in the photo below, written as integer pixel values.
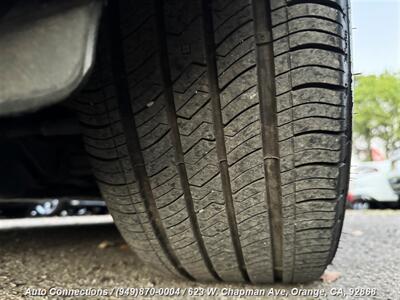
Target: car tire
(220, 134)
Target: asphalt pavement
(94, 257)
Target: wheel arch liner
(47, 49)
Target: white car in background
(375, 184)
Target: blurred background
(375, 178)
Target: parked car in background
(25, 207)
(375, 184)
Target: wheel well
(42, 155)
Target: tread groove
(321, 2)
(128, 122)
(267, 95)
(294, 227)
(212, 72)
(175, 137)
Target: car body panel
(371, 180)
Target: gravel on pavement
(33, 260)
